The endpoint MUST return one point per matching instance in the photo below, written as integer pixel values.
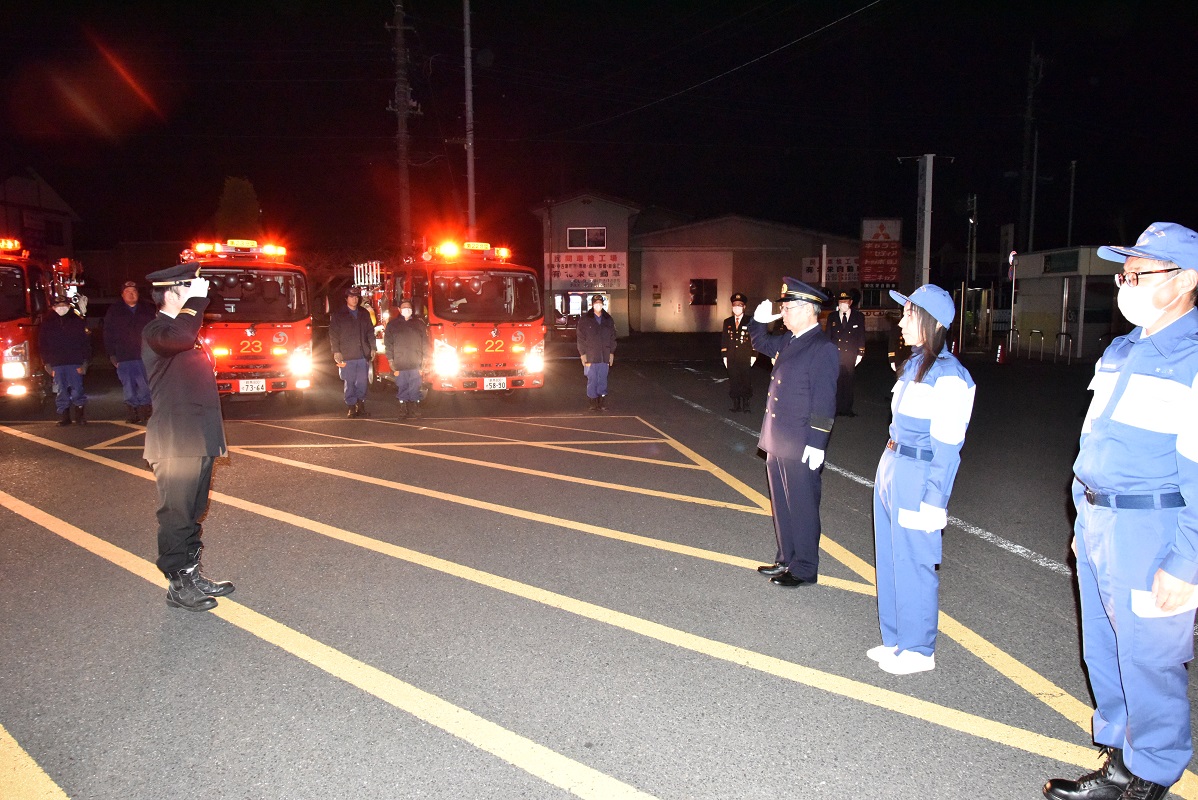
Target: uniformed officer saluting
(1136, 534)
(798, 420)
(185, 434)
(736, 349)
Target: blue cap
(797, 290)
(932, 299)
(1162, 241)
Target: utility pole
(923, 219)
(1035, 73)
(471, 219)
(401, 104)
(972, 247)
(1072, 179)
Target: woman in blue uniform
(931, 404)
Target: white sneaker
(908, 662)
(881, 652)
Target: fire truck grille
(248, 374)
(492, 373)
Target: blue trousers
(136, 386)
(1136, 664)
(905, 560)
(68, 387)
(795, 490)
(407, 386)
(354, 373)
(596, 379)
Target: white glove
(858, 361)
(197, 288)
(763, 315)
(927, 518)
(893, 367)
(725, 363)
(814, 458)
(752, 360)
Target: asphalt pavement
(514, 597)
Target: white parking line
(984, 535)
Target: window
(54, 232)
(703, 291)
(586, 238)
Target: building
(34, 213)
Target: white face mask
(406, 313)
(61, 310)
(1135, 303)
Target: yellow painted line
(137, 431)
(21, 778)
(519, 751)
(536, 473)
(538, 422)
(1023, 676)
(315, 652)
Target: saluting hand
(763, 315)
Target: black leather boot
(1107, 783)
(208, 586)
(594, 404)
(603, 402)
(413, 408)
(145, 412)
(184, 593)
(351, 411)
(64, 419)
(361, 409)
(80, 415)
(1140, 789)
(132, 414)
(735, 404)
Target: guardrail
(1031, 335)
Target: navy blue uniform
(596, 345)
(351, 337)
(123, 325)
(799, 413)
(737, 346)
(849, 338)
(65, 348)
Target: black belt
(1141, 501)
(908, 451)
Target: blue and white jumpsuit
(927, 429)
(1137, 512)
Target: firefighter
(123, 325)
(351, 338)
(66, 349)
(799, 412)
(846, 329)
(932, 403)
(1136, 532)
(736, 350)
(597, 349)
(185, 435)
(406, 343)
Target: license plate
(252, 387)
(494, 383)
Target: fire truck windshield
(254, 295)
(12, 294)
(486, 295)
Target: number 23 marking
(248, 346)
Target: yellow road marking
(1020, 674)
(519, 751)
(348, 669)
(21, 778)
(138, 430)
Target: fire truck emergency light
(448, 249)
(10, 244)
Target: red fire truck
(26, 286)
(484, 313)
(258, 325)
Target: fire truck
(26, 287)
(484, 313)
(258, 325)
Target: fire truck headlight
(218, 352)
(300, 362)
(535, 361)
(15, 370)
(445, 360)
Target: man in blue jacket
(65, 349)
(799, 411)
(123, 325)
(351, 338)
(597, 348)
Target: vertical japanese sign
(881, 250)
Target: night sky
(790, 111)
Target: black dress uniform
(183, 438)
(736, 348)
(799, 413)
(849, 337)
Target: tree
(238, 213)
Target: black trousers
(183, 486)
(844, 384)
(794, 494)
(739, 383)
